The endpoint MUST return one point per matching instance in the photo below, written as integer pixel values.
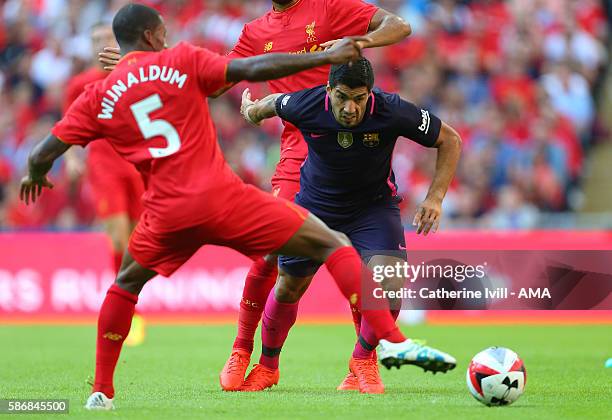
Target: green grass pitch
(175, 374)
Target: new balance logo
(424, 127)
(112, 336)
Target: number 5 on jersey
(153, 128)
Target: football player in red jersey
(297, 27)
(116, 184)
(153, 112)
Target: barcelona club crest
(345, 139)
(371, 139)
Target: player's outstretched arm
(277, 65)
(385, 28)
(40, 162)
(257, 111)
(427, 217)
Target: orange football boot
(260, 378)
(350, 383)
(368, 377)
(231, 377)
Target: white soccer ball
(496, 376)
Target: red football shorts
(286, 178)
(117, 186)
(285, 188)
(258, 225)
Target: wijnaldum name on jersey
(152, 73)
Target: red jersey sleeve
(243, 47)
(210, 68)
(349, 17)
(80, 125)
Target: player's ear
(155, 38)
(149, 38)
(328, 89)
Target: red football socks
(259, 282)
(114, 323)
(278, 318)
(354, 278)
(367, 341)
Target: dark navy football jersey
(349, 168)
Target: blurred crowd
(519, 79)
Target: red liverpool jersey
(302, 29)
(101, 154)
(153, 111)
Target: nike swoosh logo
(316, 136)
(403, 248)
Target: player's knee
(118, 229)
(286, 293)
(120, 240)
(290, 289)
(130, 285)
(119, 246)
(129, 282)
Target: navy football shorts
(374, 230)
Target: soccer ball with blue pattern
(496, 376)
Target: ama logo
(534, 293)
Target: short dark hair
(355, 75)
(132, 20)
